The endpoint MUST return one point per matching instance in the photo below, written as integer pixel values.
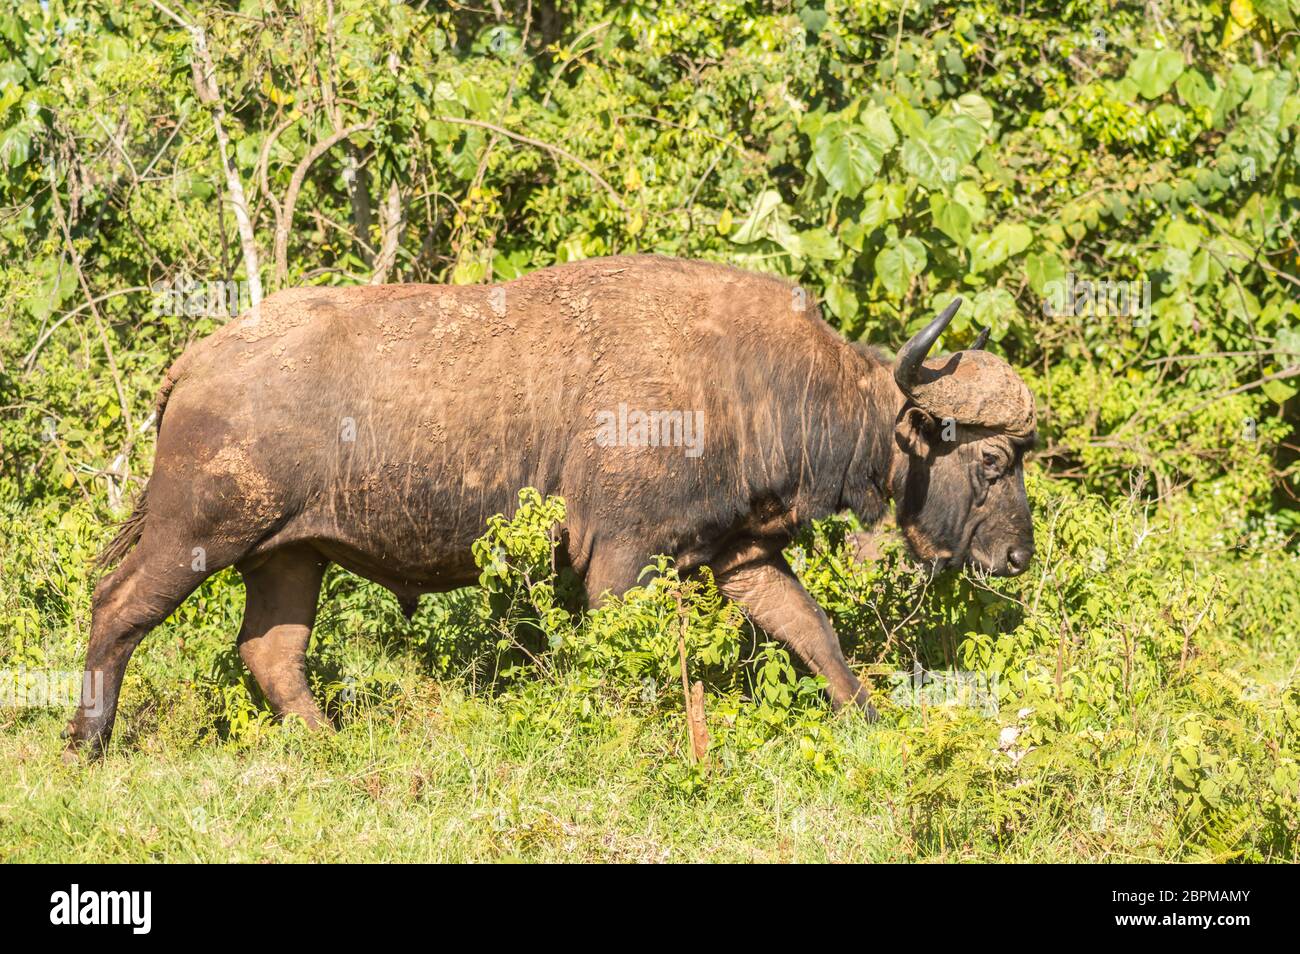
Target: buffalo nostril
(1018, 558)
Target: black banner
(302, 902)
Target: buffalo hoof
(858, 703)
(80, 750)
(306, 718)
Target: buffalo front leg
(776, 602)
(280, 595)
(612, 572)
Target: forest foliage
(1112, 186)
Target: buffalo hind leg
(146, 587)
(280, 594)
(776, 602)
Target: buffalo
(684, 408)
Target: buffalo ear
(915, 431)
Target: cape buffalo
(680, 407)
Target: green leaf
(841, 301)
(1276, 10)
(977, 108)
(849, 155)
(247, 149)
(10, 94)
(951, 218)
(15, 146)
(994, 248)
(477, 98)
(1176, 262)
(1045, 271)
(1288, 340)
(815, 243)
(1195, 90)
(1279, 392)
(937, 156)
(756, 223)
(884, 203)
(1183, 235)
(1203, 268)
(56, 282)
(898, 264)
(854, 234)
(464, 162)
(970, 196)
(905, 117)
(1154, 71)
(994, 308)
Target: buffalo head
(966, 421)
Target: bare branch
(545, 146)
(390, 214)
(207, 91)
(295, 186)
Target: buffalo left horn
(972, 387)
(913, 353)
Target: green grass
(443, 777)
